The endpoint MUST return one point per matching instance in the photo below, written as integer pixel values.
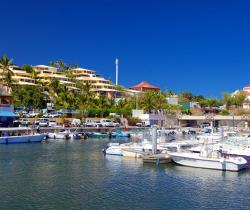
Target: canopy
(7, 114)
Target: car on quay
(43, 122)
(16, 123)
(54, 114)
(76, 122)
(88, 123)
(66, 124)
(116, 124)
(52, 123)
(24, 122)
(32, 114)
(46, 115)
(106, 123)
(97, 124)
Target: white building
(246, 91)
(150, 119)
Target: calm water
(76, 175)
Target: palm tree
(7, 73)
(148, 102)
(52, 63)
(61, 65)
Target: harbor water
(76, 175)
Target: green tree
(239, 98)
(227, 99)
(7, 73)
(29, 69)
(29, 96)
(147, 101)
(185, 97)
(160, 100)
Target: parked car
(43, 122)
(76, 122)
(54, 114)
(88, 123)
(24, 122)
(143, 124)
(52, 123)
(66, 123)
(106, 123)
(32, 114)
(116, 124)
(16, 123)
(46, 115)
(97, 124)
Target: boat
(157, 158)
(209, 159)
(59, 135)
(117, 148)
(145, 146)
(234, 146)
(99, 135)
(120, 134)
(19, 135)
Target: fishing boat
(209, 159)
(19, 135)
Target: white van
(76, 122)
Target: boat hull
(208, 164)
(57, 135)
(21, 139)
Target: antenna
(116, 71)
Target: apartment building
(98, 84)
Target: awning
(7, 114)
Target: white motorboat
(59, 135)
(146, 146)
(209, 159)
(117, 149)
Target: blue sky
(198, 46)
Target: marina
(125, 105)
(78, 176)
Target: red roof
(144, 86)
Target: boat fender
(54, 136)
